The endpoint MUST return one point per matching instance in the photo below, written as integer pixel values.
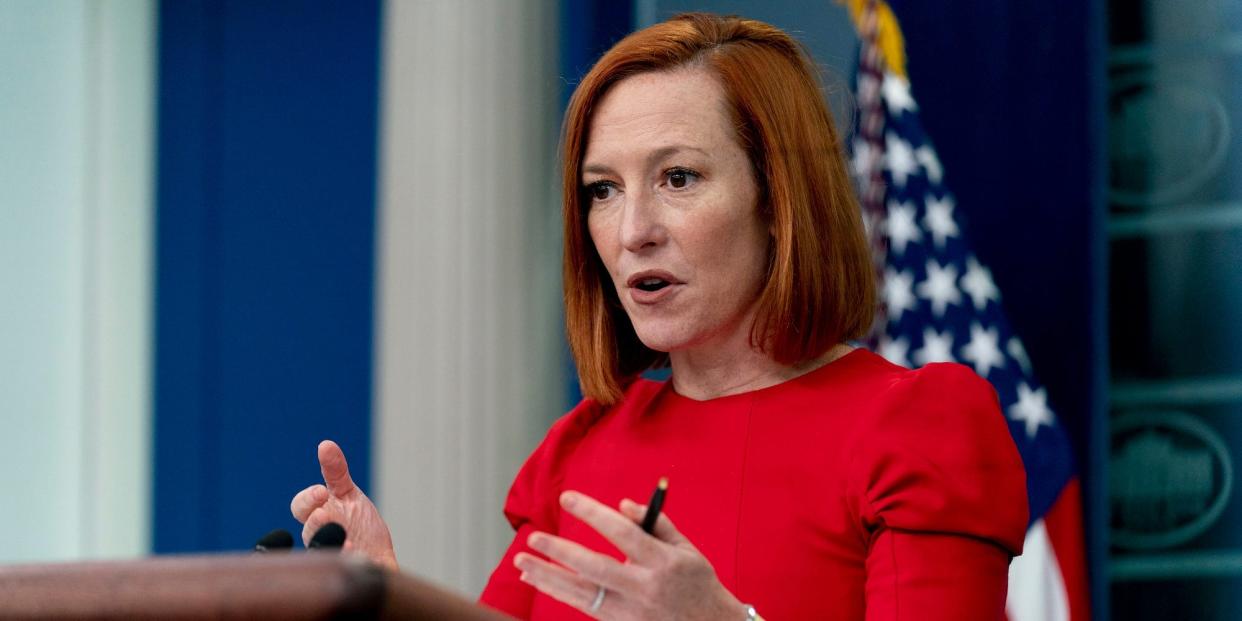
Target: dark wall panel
(265, 246)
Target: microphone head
(331, 535)
(279, 539)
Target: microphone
(331, 535)
(279, 539)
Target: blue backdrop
(265, 245)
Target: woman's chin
(670, 336)
(670, 339)
(663, 341)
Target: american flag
(940, 304)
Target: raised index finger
(636, 545)
(335, 470)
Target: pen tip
(663, 483)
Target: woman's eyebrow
(597, 169)
(664, 152)
(654, 156)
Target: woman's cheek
(603, 234)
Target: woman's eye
(600, 191)
(679, 178)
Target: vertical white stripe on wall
(469, 368)
(75, 174)
(117, 473)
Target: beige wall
(469, 370)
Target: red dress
(861, 490)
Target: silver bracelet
(751, 615)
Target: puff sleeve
(532, 505)
(939, 493)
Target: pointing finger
(334, 468)
(308, 500)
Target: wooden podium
(243, 586)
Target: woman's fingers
(315, 521)
(636, 545)
(308, 500)
(590, 565)
(335, 469)
(664, 529)
(311, 526)
(560, 584)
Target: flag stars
(977, 283)
(896, 92)
(899, 159)
(940, 287)
(937, 347)
(901, 226)
(926, 156)
(896, 351)
(898, 293)
(1018, 352)
(1031, 409)
(939, 219)
(983, 349)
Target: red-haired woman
(710, 227)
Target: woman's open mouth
(652, 286)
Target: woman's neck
(707, 373)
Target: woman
(710, 227)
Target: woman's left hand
(664, 576)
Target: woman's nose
(642, 226)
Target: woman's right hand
(339, 500)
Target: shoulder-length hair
(820, 287)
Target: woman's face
(673, 209)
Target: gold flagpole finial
(888, 32)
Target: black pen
(653, 507)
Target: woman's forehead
(658, 111)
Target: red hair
(820, 287)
